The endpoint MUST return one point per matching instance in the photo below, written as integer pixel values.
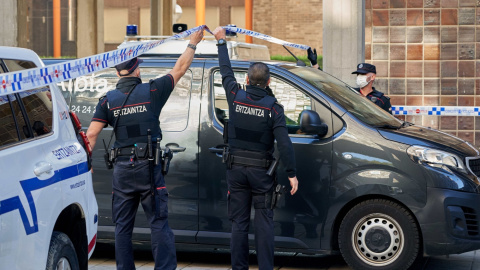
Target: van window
(174, 115)
(220, 102)
(292, 99)
(83, 94)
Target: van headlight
(435, 158)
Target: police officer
(366, 74)
(137, 106)
(256, 120)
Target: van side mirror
(310, 123)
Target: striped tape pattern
(14, 82)
(436, 110)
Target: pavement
(104, 259)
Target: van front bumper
(450, 222)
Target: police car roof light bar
(132, 30)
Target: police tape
(436, 110)
(265, 37)
(14, 82)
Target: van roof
(205, 49)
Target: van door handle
(216, 150)
(42, 168)
(175, 147)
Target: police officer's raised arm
(185, 60)
(285, 146)
(228, 78)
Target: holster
(277, 195)
(166, 158)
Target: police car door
(299, 217)
(38, 151)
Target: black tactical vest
(135, 118)
(250, 127)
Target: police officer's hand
(219, 33)
(294, 184)
(196, 37)
(312, 56)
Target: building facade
(427, 53)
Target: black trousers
(247, 184)
(131, 186)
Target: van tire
(379, 234)
(61, 254)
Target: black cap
(365, 68)
(129, 66)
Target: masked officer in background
(366, 74)
(136, 107)
(256, 120)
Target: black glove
(312, 56)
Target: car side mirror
(310, 123)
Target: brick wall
(296, 21)
(427, 52)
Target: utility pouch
(108, 161)
(167, 156)
(108, 157)
(141, 150)
(225, 154)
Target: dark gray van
(379, 190)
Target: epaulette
(102, 97)
(276, 102)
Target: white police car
(48, 211)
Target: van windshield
(362, 108)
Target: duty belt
(125, 151)
(237, 160)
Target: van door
(299, 219)
(179, 123)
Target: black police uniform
(375, 96)
(379, 99)
(256, 119)
(131, 176)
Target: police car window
(39, 108)
(174, 115)
(8, 129)
(17, 65)
(221, 105)
(294, 103)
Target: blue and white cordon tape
(14, 82)
(436, 110)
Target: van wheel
(379, 234)
(61, 254)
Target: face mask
(362, 81)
